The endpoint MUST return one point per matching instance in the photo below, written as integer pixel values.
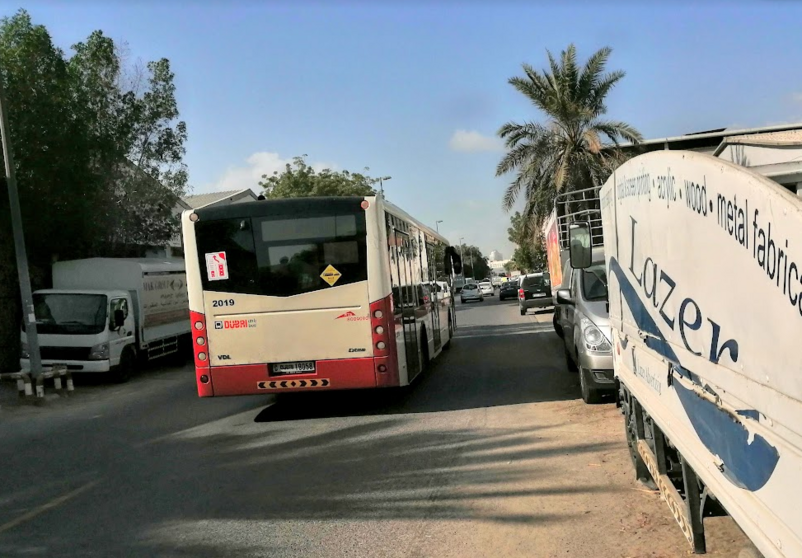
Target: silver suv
(585, 325)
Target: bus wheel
(126, 368)
(424, 349)
(450, 334)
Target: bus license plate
(286, 368)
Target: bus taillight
(379, 323)
(200, 347)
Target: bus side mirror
(452, 261)
(579, 241)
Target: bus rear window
(279, 256)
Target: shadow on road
(373, 471)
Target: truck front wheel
(127, 367)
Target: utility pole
(437, 225)
(28, 315)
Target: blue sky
(416, 90)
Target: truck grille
(64, 353)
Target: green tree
(530, 251)
(474, 263)
(568, 151)
(300, 180)
(136, 137)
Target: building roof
(202, 200)
(710, 139)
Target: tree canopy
(474, 263)
(530, 251)
(98, 152)
(571, 150)
(301, 180)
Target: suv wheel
(590, 395)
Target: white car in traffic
(486, 288)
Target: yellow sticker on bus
(288, 384)
(330, 275)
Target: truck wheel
(590, 395)
(126, 368)
(641, 471)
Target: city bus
(315, 294)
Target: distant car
(471, 292)
(509, 289)
(487, 288)
(534, 292)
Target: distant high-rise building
(495, 256)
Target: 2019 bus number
(219, 303)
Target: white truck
(704, 260)
(111, 314)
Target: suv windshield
(76, 314)
(594, 282)
(286, 253)
(534, 282)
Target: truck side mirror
(579, 241)
(119, 318)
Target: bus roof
(401, 213)
(298, 205)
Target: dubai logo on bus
(235, 324)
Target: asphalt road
(491, 453)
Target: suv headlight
(594, 339)
(99, 352)
(24, 350)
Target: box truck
(704, 268)
(110, 315)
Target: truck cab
(84, 330)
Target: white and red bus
(315, 294)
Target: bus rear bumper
(253, 379)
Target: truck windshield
(285, 254)
(594, 282)
(70, 314)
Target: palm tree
(568, 151)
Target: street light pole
(381, 183)
(437, 225)
(28, 314)
(462, 259)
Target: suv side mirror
(119, 318)
(564, 297)
(579, 241)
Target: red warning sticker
(216, 266)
